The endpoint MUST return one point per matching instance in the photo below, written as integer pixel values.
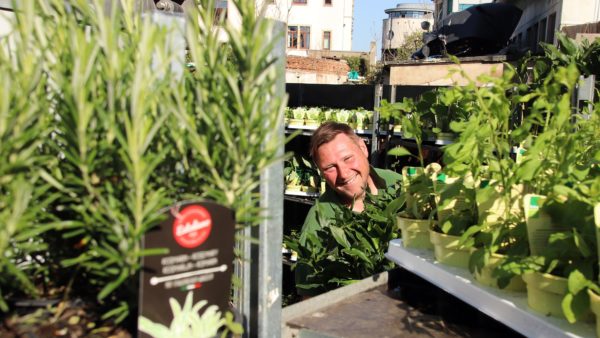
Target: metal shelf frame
(507, 307)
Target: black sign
(200, 239)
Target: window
(298, 37)
(462, 7)
(301, 2)
(327, 40)
(328, 2)
(550, 28)
(542, 32)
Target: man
(342, 159)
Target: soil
(68, 319)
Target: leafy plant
(105, 126)
(348, 248)
(187, 322)
(412, 124)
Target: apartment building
(542, 18)
(443, 8)
(313, 24)
(402, 21)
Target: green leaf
(577, 282)
(340, 236)
(575, 306)
(399, 151)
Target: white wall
(337, 18)
(5, 19)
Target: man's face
(345, 166)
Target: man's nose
(344, 171)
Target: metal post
(585, 92)
(376, 125)
(259, 298)
(271, 229)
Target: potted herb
(456, 212)
(417, 184)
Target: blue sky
(368, 19)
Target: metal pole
(271, 228)
(376, 125)
(259, 298)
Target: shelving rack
(507, 307)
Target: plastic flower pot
(296, 123)
(312, 123)
(545, 293)
(595, 307)
(415, 233)
(493, 209)
(448, 251)
(485, 276)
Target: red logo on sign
(192, 226)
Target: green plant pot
(494, 209)
(415, 233)
(447, 250)
(296, 123)
(312, 123)
(545, 293)
(485, 276)
(595, 307)
(293, 188)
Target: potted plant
(486, 134)
(298, 116)
(106, 129)
(456, 212)
(312, 117)
(417, 184)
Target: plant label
(199, 237)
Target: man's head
(341, 156)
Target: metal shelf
(301, 197)
(507, 307)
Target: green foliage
(100, 131)
(356, 63)
(411, 118)
(350, 247)
(187, 322)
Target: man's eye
(347, 158)
(328, 169)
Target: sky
(368, 21)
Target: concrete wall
(438, 73)
(300, 76)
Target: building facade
(542, 18)
(443, 8)
(313, 24)
(402, 21)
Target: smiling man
(342, 158)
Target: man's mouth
(348, 181)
